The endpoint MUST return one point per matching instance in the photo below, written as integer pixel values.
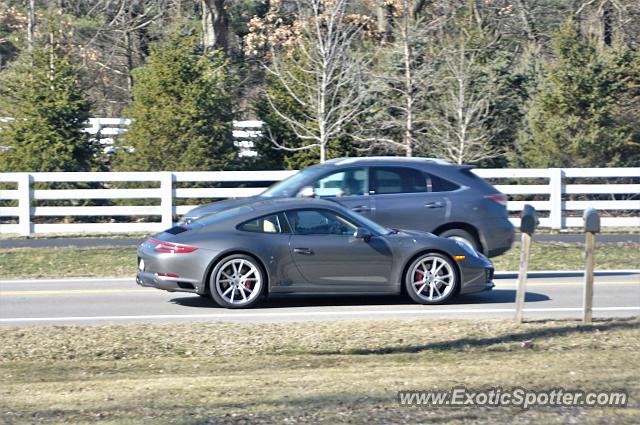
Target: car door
(331, 259)
(402, 199)
(349, 187)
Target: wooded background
(525, 83)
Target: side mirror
(306, 192)
(362, 233)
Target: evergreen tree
(181, 110)
(50, 110)
(576, 118)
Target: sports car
(306, 246)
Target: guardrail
(22, 199)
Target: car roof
(264, 207)
(385, 159)
(279, 203)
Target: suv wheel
(462, 236)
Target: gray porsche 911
(306, 246)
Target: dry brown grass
(333, 372)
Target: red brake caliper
(418, 276)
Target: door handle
(361, 208)
(434, 205)
(303, 251)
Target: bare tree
(404, 76)
(318, 68)
(460, 116)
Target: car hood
(215, 207)
(417, 233)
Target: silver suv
(424, 194)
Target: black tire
(222, 291)
(462, 234)
(419, 290)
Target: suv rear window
(438, 184)
(408, 180)
(399, 180)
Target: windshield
(291, 186)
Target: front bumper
(477, 275)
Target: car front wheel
(431, 278)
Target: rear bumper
(152, 280)
(496, 236)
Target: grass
(330, 372)
(67, 262)
(565, 256)
(120, 261)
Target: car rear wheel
(462, 236)
(237, 281)
(431, 278)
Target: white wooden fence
(168, 190)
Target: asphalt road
(129, 242)
(100, 301)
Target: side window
(350, 182)
(399, 180)
(269, 224)
(319, 222)
(438, 184)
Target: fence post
(591, 227)
(24, 204)
(166, 202)
(528, 224)
(555, 198)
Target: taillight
(500, 198)
(172, 248)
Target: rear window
(274, 223)
(205, 220)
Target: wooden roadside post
(591, 227)
(528, 224)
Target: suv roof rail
(349, 160)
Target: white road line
(498, 275)
(310, 314)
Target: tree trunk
(215, 25)
(529, 26)
(408, 81)
(385, 20)
(31, 23)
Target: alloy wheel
(238, 281)
(432, 278)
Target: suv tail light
(500, 198)
(172, 248)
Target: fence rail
(21, 202)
